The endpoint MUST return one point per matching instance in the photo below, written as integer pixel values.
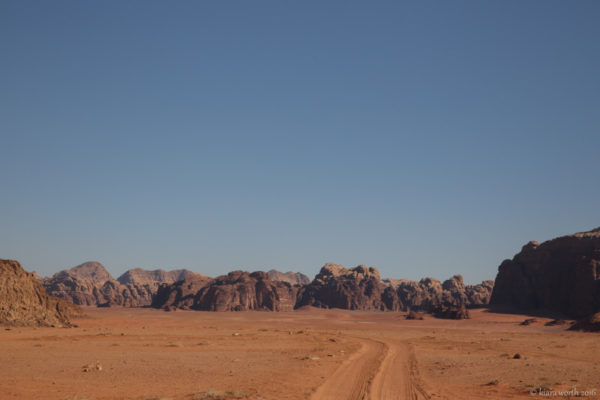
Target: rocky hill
(560, 275)
(23, 300)
(91, 284)
(236, 291)
(293, 278)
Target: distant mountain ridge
(359, 288)
(91, 284)
(336, 286)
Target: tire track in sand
(379, 370)
(397, 377)
(351, 380)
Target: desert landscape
(122, 353)
(299, 200)
(347, 334)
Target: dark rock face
(293, 278)
(335, 286)
(24, 302)
(180, 294)
(236, 291)
(560, 275)
(91, 284)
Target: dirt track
(378, 370)
(352, 380)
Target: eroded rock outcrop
(236, 291)
(560, 275)
(181, 294)
(335, 286)
(24, 302)
(91, 284)
(361, 288)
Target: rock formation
(451, 311)
(335, 286)
(23, 300)
(560, 275)
(361, 288)
(236, 291)
(91, 284)
(180, 294)
(293, 278)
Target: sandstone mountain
(91, 271)
(335, 286)
(181, 294)
(91, 284)
(293, 278)
(23, 300)
(560, 275)
(361, 288)
(236, 291)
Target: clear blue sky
(425, 138)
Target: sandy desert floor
(313, 354)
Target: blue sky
(425, 138)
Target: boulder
(451, 311)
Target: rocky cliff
(91, 284)
(560, 275)
(23, 300)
